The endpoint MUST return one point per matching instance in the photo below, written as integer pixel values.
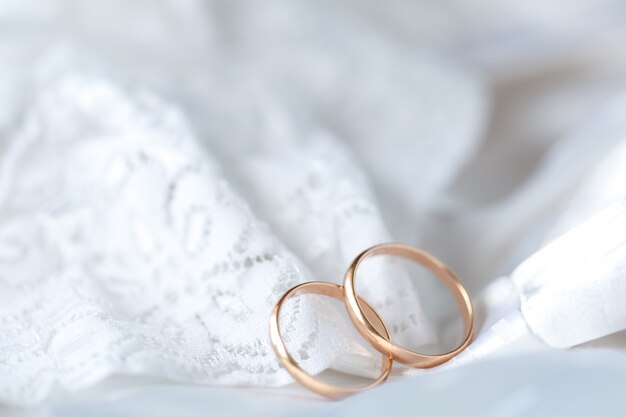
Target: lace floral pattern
(131, 251)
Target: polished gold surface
(312, 383)
(355, 305)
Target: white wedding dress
(169, 169)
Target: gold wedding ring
(314, 384)
(385, 345)
(369, 324)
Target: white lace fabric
(126, 250)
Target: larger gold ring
(325, 389)
(383, 344)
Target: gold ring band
(323, 388)
(383, 344)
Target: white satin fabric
(169, 169)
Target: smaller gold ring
(383, 344)
(314, 384)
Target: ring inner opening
(319, 336)
(420, 312)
